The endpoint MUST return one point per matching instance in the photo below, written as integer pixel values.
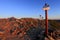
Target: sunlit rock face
(21, 29)
(27, 29)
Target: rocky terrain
(26, 29)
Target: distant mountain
(55, 23)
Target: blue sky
(29, 8)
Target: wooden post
(46, 21)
